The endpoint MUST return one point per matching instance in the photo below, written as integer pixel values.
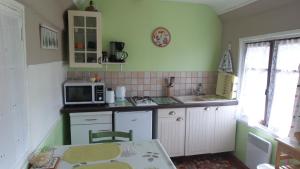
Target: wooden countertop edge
(97, 108)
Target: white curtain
(252, 98)
(286, 78)
(295, 126)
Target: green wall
(195, 31)
(241, 140)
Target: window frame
(271, 38)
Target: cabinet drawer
(171, 112)
(91, 119)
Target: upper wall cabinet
(85, 45)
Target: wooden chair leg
(277, 161)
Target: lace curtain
(252, 98)
(279, 98)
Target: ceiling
(220, 6)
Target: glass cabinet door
(91, 39)
(85, 39)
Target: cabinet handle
(172, 113)
(179, 119)
(217, 108)
(90, 119)
(134, 120)
(206, 108)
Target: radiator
(258, 151)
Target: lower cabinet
(171, 130)
(81, 123)
(210, 130)
(225, 129)
(199, 130)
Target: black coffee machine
(116, 52)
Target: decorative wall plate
(161, 37)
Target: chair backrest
(110, 135)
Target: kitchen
(191, 58)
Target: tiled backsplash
(153, 83)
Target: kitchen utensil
(110, 96)
(120, 92)
(170, 81)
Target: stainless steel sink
(200, 99)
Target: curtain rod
(273, 40)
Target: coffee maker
(116, 52)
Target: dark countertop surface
(129, 107)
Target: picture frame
(48, 37)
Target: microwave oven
(83, 92)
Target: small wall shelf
(114, 63)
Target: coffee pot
(116, 52)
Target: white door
(225, 129)
(199, 130)
(13, 115)
(140, 122)
(171, 132)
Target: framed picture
(49, 37)
(161, 37)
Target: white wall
(44, 99)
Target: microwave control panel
(99, 93)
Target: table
(122, 155)
(287, 149)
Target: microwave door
(79, 94)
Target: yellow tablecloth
(92, 153)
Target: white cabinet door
(140, 122)
(171, 130)
(199, 130)
(225, 129)
(81, 123)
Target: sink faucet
(199, 90)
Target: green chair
(111, 135)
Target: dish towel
(226, 62)
(295, 127)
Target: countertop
(107, 107)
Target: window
(270, 76)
